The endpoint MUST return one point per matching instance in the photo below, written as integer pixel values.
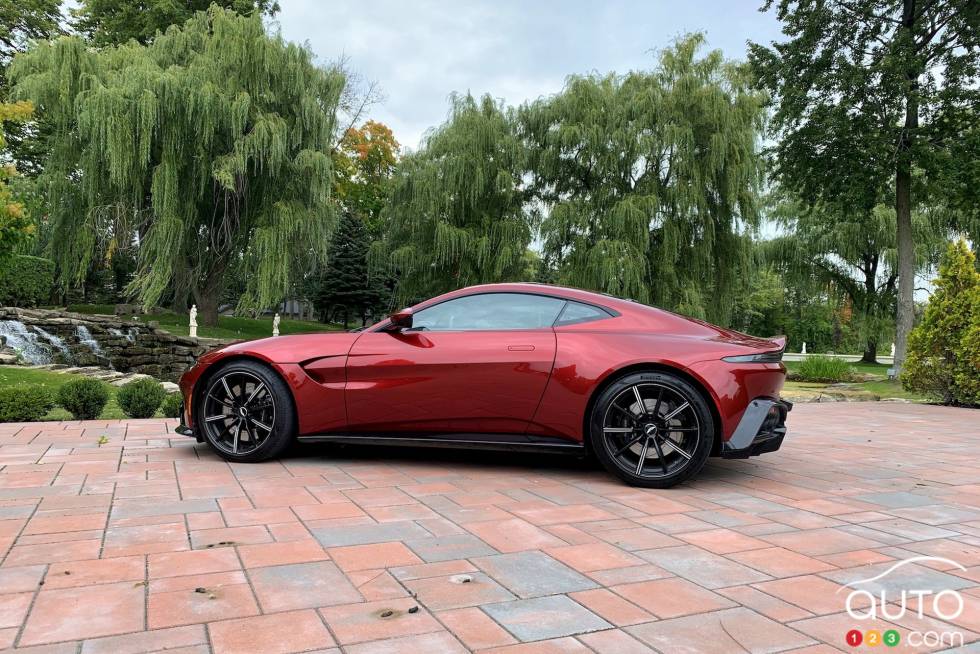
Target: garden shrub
(84, 398)
(819, 368)
(171, 405)
(141, 398)
(943, 358)
(25, 281)
(25, 403)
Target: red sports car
(503, 366)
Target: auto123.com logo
(870, 601)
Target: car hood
(295, 348)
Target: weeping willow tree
(458, 212)
(208, 149)
(854, 251)
(651, 179)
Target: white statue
(193, 323)
(893, 350)
(803, 351)
(275, 325)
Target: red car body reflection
(528, 383)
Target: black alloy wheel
(246, 413)
(652, 429)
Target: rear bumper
(761, 429)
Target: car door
(472, 364)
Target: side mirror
(401, 319)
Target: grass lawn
(228, 326)
(16, 376)
(882, 387)
(866, 368)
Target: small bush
(171, 405)
(141, 398)
(817, 368)
(25, 403)
(944, 349)
(84, 398)
(26, 281)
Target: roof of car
(592, 297)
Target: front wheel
(652, 429)
(245, 412)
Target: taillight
(763, 357)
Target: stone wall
(106, 341)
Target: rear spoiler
(780, 341)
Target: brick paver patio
(149, 542)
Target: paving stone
(475, 628)
(295, 631)
(364, 534)
(301, 585)
(899, 577)
(532, 574)
(85, 612)
(447, 548)
(702, 567)
(545, 617)
(733, 630)
(458, 591)
(365, 621)
(751, 550)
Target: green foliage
(22, 21)
(113, 22)
(877, 98)
(345, 286)
(651, 179)
(15, 224)
(211, 144)
(25, 281)
(458, 214)
(817, 368)
(944, 349)
(171, 405)
(84, 398)
(141, 398)
(364, 163)
(852, 253)
(24, 403)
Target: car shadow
(478, 460)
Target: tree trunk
(906, 263)
(870, 352)
(207, 309)
(903, 204)
(346, 318)
(207, 297)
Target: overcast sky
(421, 51)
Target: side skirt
(499, 442)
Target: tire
(673, 434)
(266, 428)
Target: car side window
(576, 312)
(490, 311)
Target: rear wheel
(246, 412)
(652, 429)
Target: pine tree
(346, 286)
(209, 147)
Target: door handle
(520, 348)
